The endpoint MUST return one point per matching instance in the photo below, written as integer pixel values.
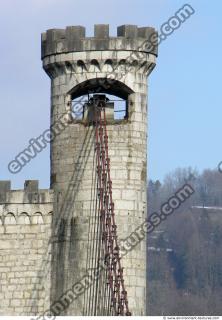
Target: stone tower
(79, 66)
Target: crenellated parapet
(25, 207)
(68, 51)
(73, 39)
(29, 195)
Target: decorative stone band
(25, 218)
(110, 63)
(73, 39)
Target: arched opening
(117, 94)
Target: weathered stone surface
(101, 31)
(101, 58)
(128, 31)
(5, 186)
(43, 255)
(72, 39)
(25, 251)
(31, 185)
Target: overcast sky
(184, 89)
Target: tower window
(81, 105)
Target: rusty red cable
(107, 217)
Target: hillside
(184, 252)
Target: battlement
(31, 193)
(73, 39)
(29, 206)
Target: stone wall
(25, 257)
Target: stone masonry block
(124, 204)
(101, 31)
(5, 186)
(73, 36)
(31, 185)
(127, 31)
